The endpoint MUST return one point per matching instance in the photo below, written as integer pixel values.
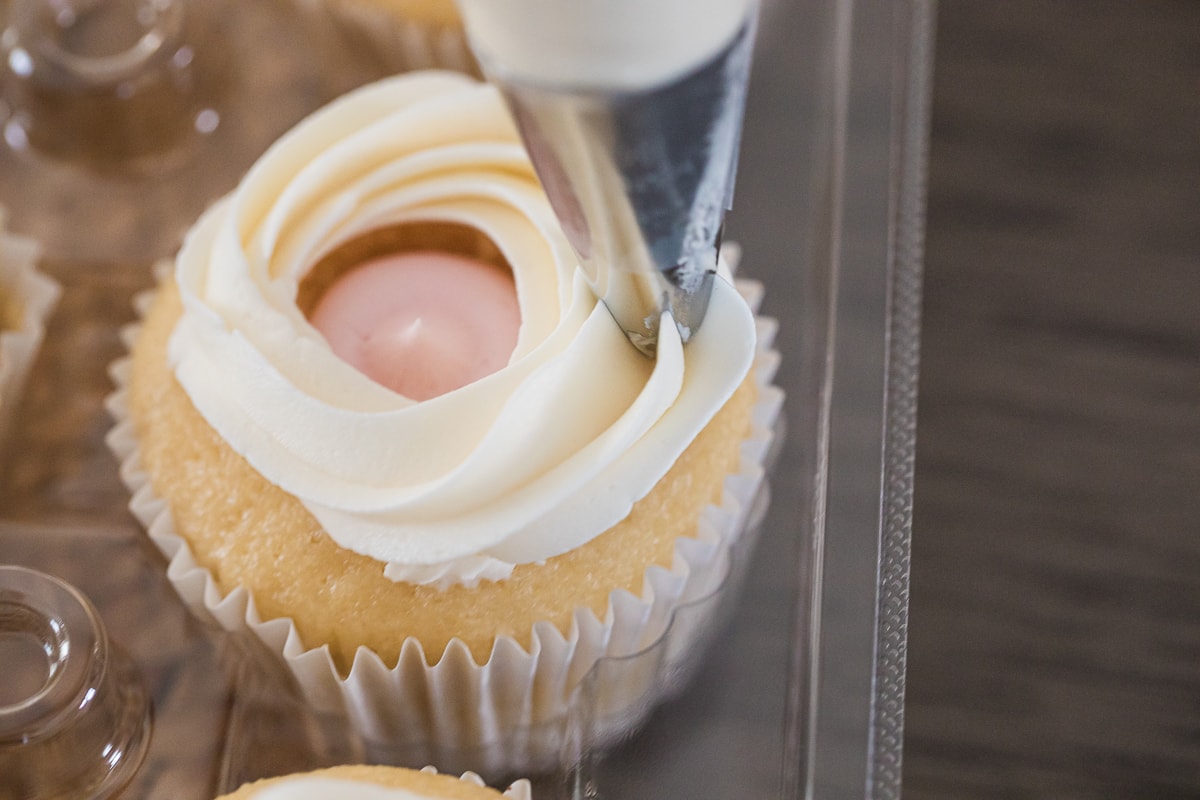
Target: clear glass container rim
(69, 629)
(163, 26)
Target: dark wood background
(1055, 608)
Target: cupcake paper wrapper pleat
(35, 295)
(519, 790)
(510, 714)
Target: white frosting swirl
(323, 787)
(522, 465)
(326, 788)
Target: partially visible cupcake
(375, 783)
(26, 299)
(445, 566)
(404, 34)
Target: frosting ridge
(525, 463)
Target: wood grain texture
(1055, 615)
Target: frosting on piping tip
(627, 44)
(523, 464)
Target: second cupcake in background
(27, 296)
(404, 35)
(442, 551)
(375, 783)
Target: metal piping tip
(640, 180)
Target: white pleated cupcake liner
(518, 790)
(35, 295)
(400, 44)
(509, 715)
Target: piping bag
(631, 111)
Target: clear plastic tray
(800, 692)
(803, 694)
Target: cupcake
(375, 783)
(445, 553)
(26, 299)
(403, 34)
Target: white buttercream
(328, 788)
(323, 787)
(522, 465)
(623, 44)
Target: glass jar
(225, 711)
(74, 714)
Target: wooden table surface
(1055, 606)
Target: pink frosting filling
(421, 323)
